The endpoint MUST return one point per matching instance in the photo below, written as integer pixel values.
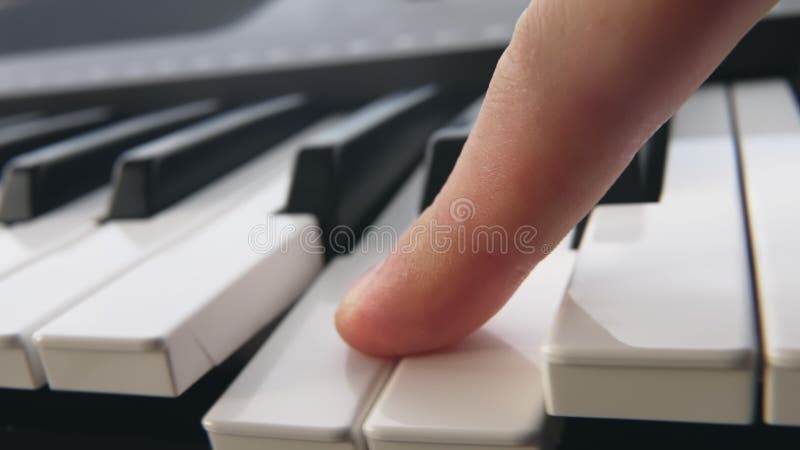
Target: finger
(581, 86)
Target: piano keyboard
(169, 275)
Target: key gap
(758, 324)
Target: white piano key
(658, 320)
(769, 130)
(161, 326)
(53, 284)
(785, 8)
(23, 243)
(486, 392)
(305, 388)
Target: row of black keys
(343, 176)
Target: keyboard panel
(68, 24)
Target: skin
(581, 86)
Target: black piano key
(345, 176)
(47, 419)
(769, 49)
(27, 135)
(468, 116)
(652, 157)
(577, 236)
(155, 175)
(17, 118)
(38, 181)
(640, 182)
(444, 147)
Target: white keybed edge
(20, 363)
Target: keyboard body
(118, 330)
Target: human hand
(581, 86)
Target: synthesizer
(188, 188)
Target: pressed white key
(305, 388)
(23, 243)
(769, 129)
(51, 285)
(487, 390)
(658, 320)
(159, 327)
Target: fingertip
(357, 336)
(352, 325)
(361, 332)
(376, 321)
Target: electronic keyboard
(188, 189)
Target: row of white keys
(658, 320)
(486, 392)
(768, 119)
(305, 388)
(53, 284)
(23, 243)
(159, 327)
